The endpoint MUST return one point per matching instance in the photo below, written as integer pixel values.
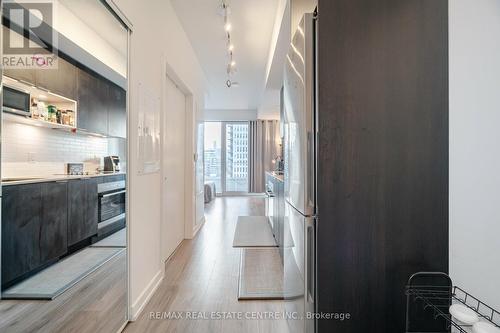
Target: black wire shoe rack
(429, 296)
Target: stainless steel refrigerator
(299, 254)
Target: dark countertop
(52, 178)
(278, 176)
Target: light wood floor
(98, 303)
(203, 276)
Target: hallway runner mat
(118, 239)
(261, 275)
(253, 231)
(56, 279)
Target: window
(226, 156)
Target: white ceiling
(252, 28)
(99, 18)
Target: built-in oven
(16, 101)
(111, 207)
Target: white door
(173, 164)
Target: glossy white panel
(294, 265)
(299, 119)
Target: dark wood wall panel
(383, 156)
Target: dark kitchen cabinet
(76, 211)
(21, 74)
(113, 178)
(61, 81)
(382, 158)
(82, 209)
(276, 212)
(21, 222)
(117, 111)
(93, 96)
(278, 209)
(101, 104)
(91, 205)
(34, 227)
(53, 230)
(24, 75)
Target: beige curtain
(264, 148)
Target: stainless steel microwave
(16, 101)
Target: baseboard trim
(198, 226)
(123, 327)
(146, 295)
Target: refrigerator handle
(311, 264)
(310, 173)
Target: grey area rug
(253, 231)
(56, 279)
(118, 239)
(261, 275)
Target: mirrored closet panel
(63, 167)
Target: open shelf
(46, 98)
(35, 122)
(14, 118)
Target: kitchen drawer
(115, 178)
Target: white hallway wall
(270, 106)
(156, 33)
(475, 147)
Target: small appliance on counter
(74, 169)
(111, 164)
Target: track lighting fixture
(231, 66)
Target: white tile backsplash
(38, 151)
